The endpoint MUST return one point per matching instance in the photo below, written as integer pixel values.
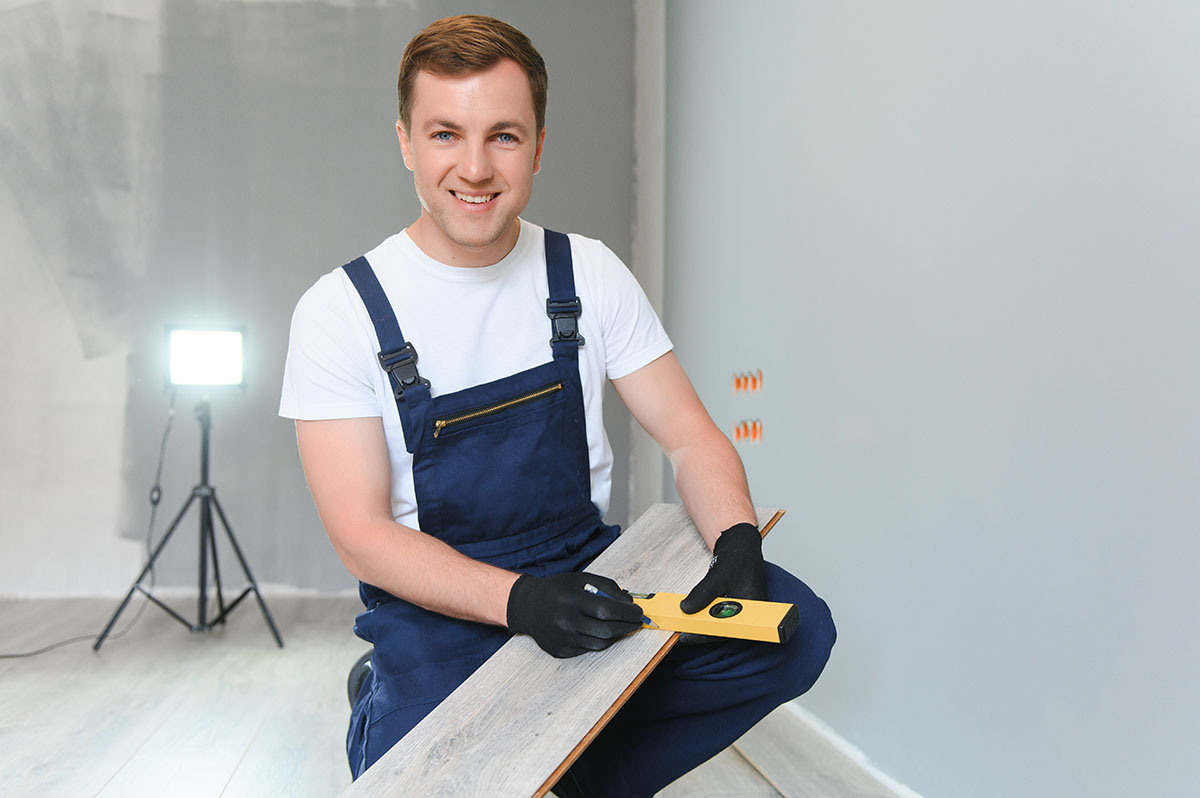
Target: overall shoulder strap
(397, 357)
(563, 307)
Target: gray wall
(205, 162)
(960, 240)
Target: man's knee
(809, 647)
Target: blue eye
(443, 135)
(506, 138)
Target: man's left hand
(737, 571)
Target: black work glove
(565, 619)
(736, 571)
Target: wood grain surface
(522, 718)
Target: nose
(476, 164)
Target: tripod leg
(117, 614)
(206, 533)
(149, 564)
(246, 569)
(216, 568)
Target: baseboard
(850, 750)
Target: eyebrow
(508, 125)
(443, 123)
(504, 124)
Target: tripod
(207, 495)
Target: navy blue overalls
(501, 474)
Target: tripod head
(204, 413)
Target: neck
(433, 241)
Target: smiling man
(465, 486)
(474, 149)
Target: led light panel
(206, 357)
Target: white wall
(961, 242)
(186, 161)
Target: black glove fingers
(565, 619)
(565, 652)
(704, 593)
(605, 609)
(608, 586)
(606, 630)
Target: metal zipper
(441, 423)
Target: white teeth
(476, 200)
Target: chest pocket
(505, 457)
(504, 411)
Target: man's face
(473, 147)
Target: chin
(476, 238)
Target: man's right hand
(567, 620)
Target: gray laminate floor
(164, 712)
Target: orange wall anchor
(748, 381)
(749, 431)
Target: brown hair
(464, 45)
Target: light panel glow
(206, 357)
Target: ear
(406, 145)
(537, 155)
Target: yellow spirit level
(769, 621)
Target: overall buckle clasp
(564, 320)
(401, 365)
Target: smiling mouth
(475, 199)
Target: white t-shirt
(469, 326)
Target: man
(464, 485)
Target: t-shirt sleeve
(633, 334)
(328, 371)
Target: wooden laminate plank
(156, 713)
(802, 763)
(726, 775)
(70, 721)
(521, 718)
(225, 730)
(298, 750)
(308, 688)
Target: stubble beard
(461, 234)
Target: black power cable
(155, 498)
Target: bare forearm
(346, 464)
(708, 472)
(711, 481)
(421, 569)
